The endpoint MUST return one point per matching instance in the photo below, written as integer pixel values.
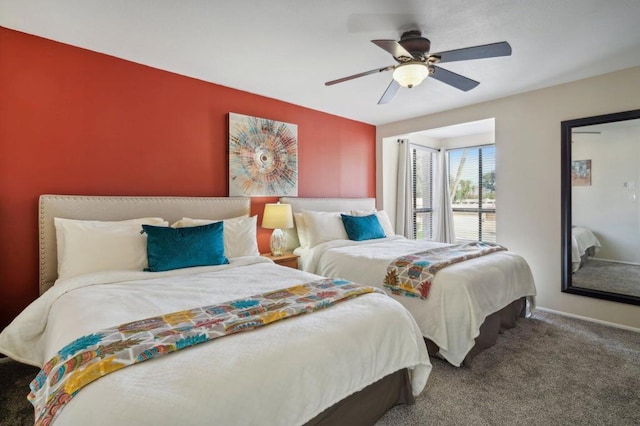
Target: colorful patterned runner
(411, 275)
(98, 354)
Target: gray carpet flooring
(15, 410)
(549, 370)
(613, 277)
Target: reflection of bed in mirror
(584, 244)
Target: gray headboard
(121, 208)
(323, 205)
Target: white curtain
(404, 199)
(443, 229)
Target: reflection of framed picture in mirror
(581, 173)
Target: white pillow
(383, 218)
(86, 246)
(239, 234)
(301, 228)
(323, 226)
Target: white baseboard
(616, 261)
(610, 324)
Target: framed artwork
(263, 157)
(581, 173)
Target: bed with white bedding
(583, 244)
(466, 300)
(302, 370)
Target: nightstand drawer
(289, 260)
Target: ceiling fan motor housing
(414, 43)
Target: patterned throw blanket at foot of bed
(411, 275)
(98, 354)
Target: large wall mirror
(601, 206)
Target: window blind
(472, 174)
(422, 160)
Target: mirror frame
(567, 127)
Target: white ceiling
(287, 49)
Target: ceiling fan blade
(452, 79)
(390, 93)
(477, 52)
(362, 74)
(393, 47)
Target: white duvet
(461, 296)
(282, 374)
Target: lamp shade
(410, 74)
(277, 216)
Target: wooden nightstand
(288, 259)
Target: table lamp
(277, 217)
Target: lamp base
(278, 242)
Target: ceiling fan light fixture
(411, 74)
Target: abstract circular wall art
(263, 157)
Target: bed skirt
(368, 405)
(493, 325)
(589, 252)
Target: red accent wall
(74, 121)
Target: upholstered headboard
(121, 208)
(323, 205)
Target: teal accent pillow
(361, 228)
(175, 248)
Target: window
(422, 161)
(472, 177)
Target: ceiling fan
(415, 63)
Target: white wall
(469, 140)
(527, 134)
(610, 206)
(388, 177)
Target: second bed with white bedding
(461, 297)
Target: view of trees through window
(472, 185)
